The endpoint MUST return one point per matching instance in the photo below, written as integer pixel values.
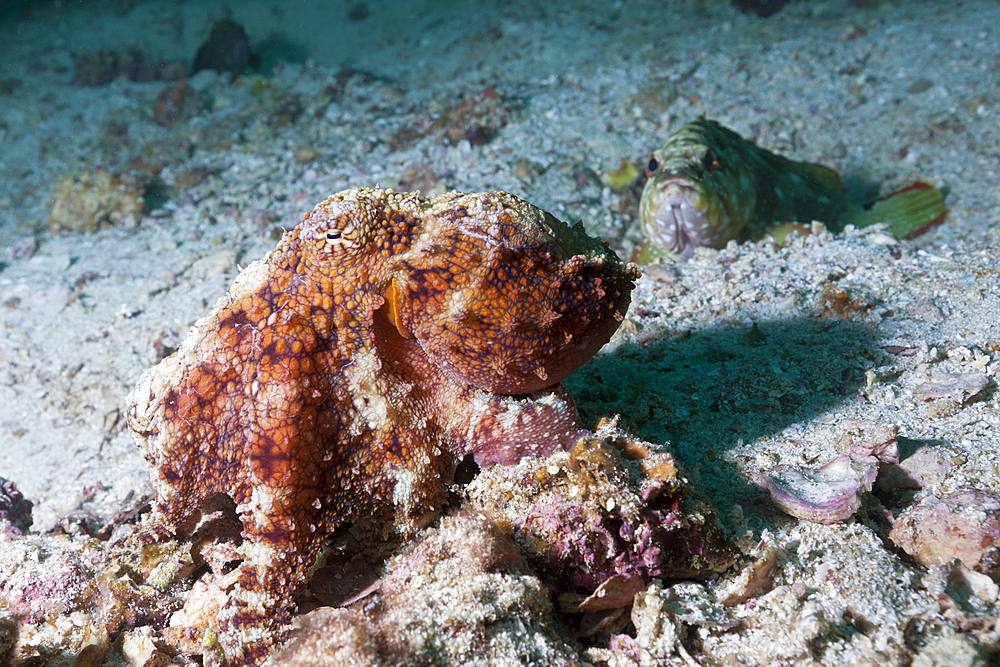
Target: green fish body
(708, 185)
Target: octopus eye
(652, 166)
(709, 160)
(334, 236)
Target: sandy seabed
(739, 360)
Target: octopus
(346, 373)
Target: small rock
(965, 583)
(928, 312)
(90, 201)
(463, 590)
(227, 49)
(964, 524)
(942, 409)
(216, 263)
(139, 650)
(15, 510)
(925, 467)
(617, 591)
(868, 439)
(23, 248)
(957, 387)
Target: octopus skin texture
(345, 373)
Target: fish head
(677, 218)
(696, 194)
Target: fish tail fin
(910, 211)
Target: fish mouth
(681, 225)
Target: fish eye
(709, 160)
(652, 166)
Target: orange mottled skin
(345, 373)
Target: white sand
(885, 94)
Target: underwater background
(150, 150)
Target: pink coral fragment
(964, 524)
(825, 495)
(958, 387)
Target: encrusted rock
(964, 524)
(89, 201)
(15, 509)
(462, 595)
(611, 507)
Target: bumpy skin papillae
(505, 296)
(344, 373)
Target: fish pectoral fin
(909, 211)
(820, 174)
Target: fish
(708, 185)
(227, 49)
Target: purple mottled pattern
(15, 510)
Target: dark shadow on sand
(704, 393)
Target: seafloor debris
(93, 200)
(926, 466)
(836, 302)
(22, 248)
(957, 387)
(63, 599)
(947, 393)
(15, 509)
(463, 595)
(177, 103)
(827, 494)
(613, 506)
(833, 492)
(657, 636)
(624, 175)
(964, 524)
(477, 118)
(868, 439)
